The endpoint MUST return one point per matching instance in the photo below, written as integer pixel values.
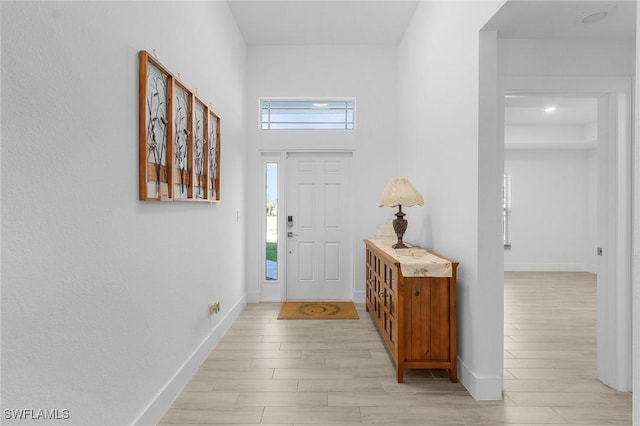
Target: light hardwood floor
(266, 371)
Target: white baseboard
(551, 267)
(359, 297)
(253, 297)
(487, 388)
(153, 413)
(591, 268)
(270, 293)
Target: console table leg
(453, 375)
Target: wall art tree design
(156, 123)
(199, 151)
(182, 114)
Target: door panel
(332, 261)
(319, 246)
(306, 208)
(305, 263)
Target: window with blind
(506, 210)
(308, 114)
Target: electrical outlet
(214, 308)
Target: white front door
(319, 233)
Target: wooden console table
(411, 296)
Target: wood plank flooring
(271, 372)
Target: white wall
(523, 136)
(553, 222)
(439, 138)
(104, 297)
(636, 236)
(551, 57)
(369, 74)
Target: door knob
(291, 234)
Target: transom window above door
(307, 114)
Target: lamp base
(400, 226)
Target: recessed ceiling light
(550, 108)
(595, 17)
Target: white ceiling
(540, 19)
(562, 19)
(339, 22)
(305, 22)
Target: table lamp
(400, 192)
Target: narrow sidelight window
(271, 221)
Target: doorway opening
(578, 215)
(550, 207)
(550, 231)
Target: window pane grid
(307, 115)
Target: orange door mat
(318, 310)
